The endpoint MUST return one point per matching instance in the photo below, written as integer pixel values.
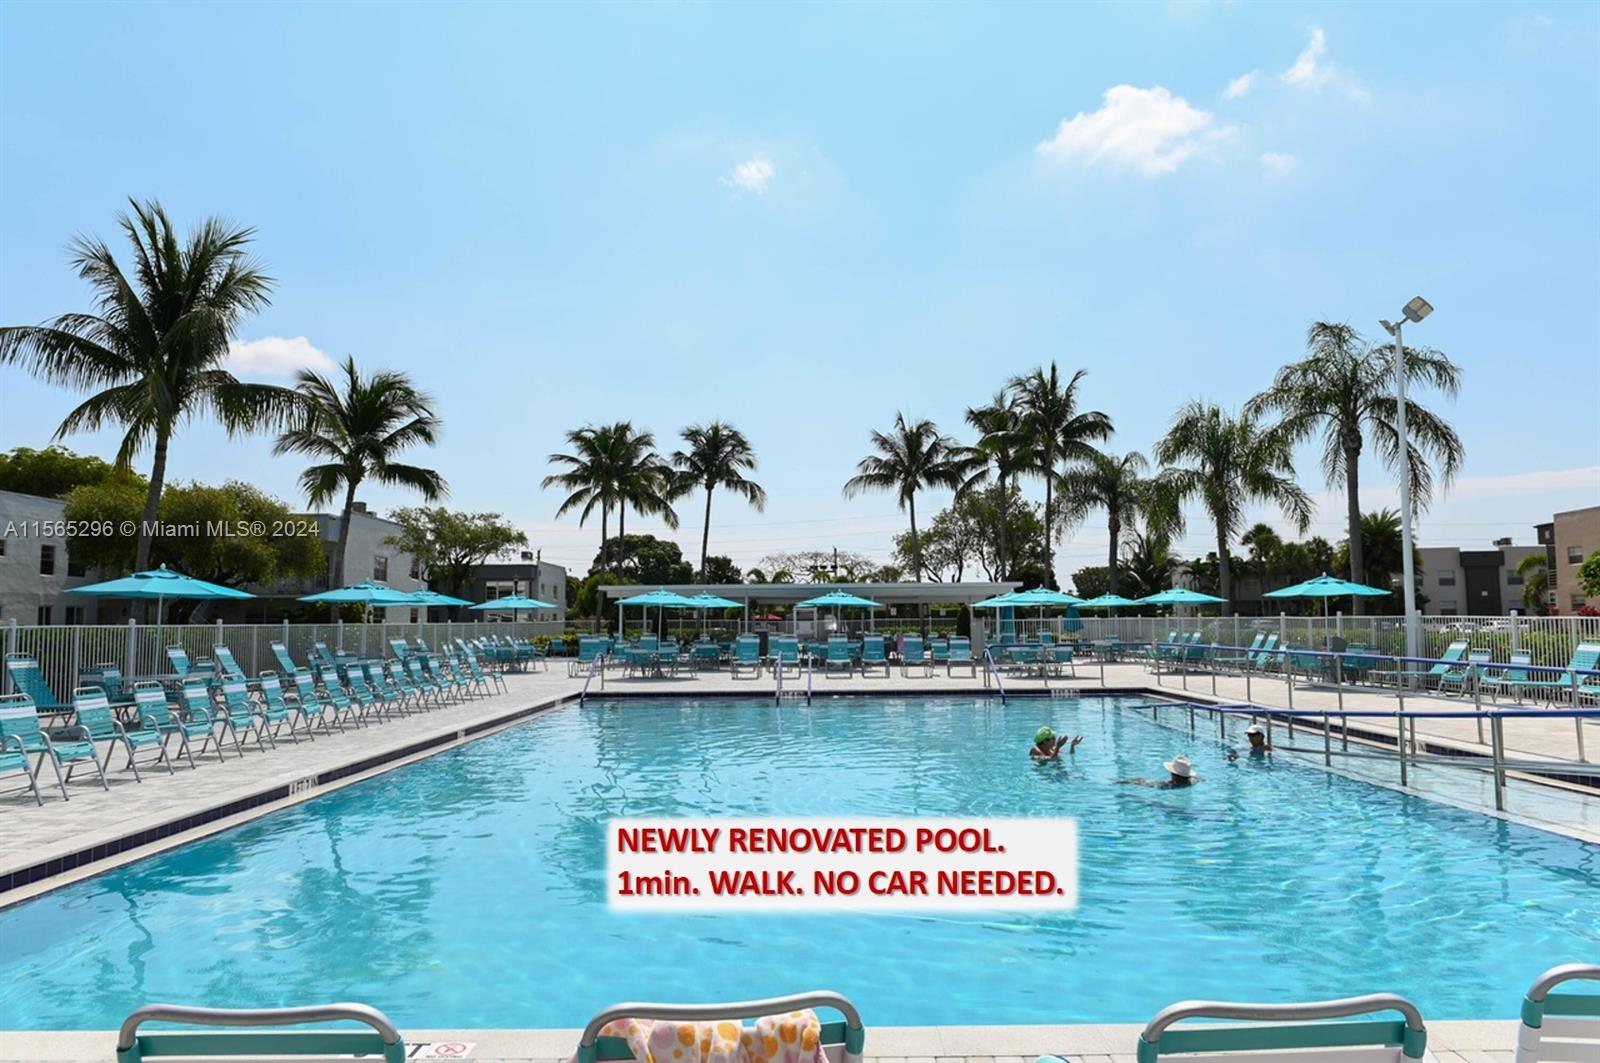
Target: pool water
(468, 890)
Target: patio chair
(382, 1042)
(746, 655)
(1060, 660)
(156, 715)
(785, 653)
(13, 759)
(360, 703)
(355, 681)
(961, 657)
(448, 676)
(1584, 658)
(280, 653)
(283, 708)
(107, 677)
(913, 655)
(402, 682)
(227, 667)
(1560, 1026)
(386, 690)
(1461, 680)
(475, 673)
(838, 656)
(424, 682)
(20, 731)
(1267, 655)
(97, 723)
(841, 1042)
(873, 655)
(1273, 1033)
(589, 648)
(939, 650)
(1241, 660)
(340, 708)
(241, 713)
(183, 667)
(1448, 661)
(26, 678)
(399, 648)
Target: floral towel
(795, 1037)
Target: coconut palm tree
(1265, 546)
(1229, 462)
(1058, 433)
(910, 456)
(1003, 454)
(153, 348)
(360, 425)
(1535, 572)
(1114, 484)
(718, 455)
(1345, 389)
(644, 479)
(590, 478)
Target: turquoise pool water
(467, 890)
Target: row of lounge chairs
(834, 656)
(1556, 1025)
(210, 712)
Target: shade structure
(159, 583)
(839, 599)
(511, 603)
(370, 593)
(1180, 596)
(1107, 601)
(431, 597)
(1325, 587)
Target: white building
(35, 570)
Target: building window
(76, 568)
(414, 617)
(1513, 578)
(74, 614)
(47, 564)
(1574, 555)
(416, 569)
(1447, 579)
(44, 615)
(1448, 608)
(2, 548)
(380, 567)
(1579, 601)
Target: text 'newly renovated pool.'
(468, 889)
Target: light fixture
(1417, 309)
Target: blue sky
(803, 218)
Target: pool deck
(1451, 1042)
(42, 848)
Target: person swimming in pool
(1256, 735)
(1180, 773)
(1046, 746)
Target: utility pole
(836, 564)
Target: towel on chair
(794, 1037)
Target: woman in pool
(1046, 746)
(1179, 774)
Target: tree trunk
(344, 534)
(152, 501)
(1352, 499)
(1048, 560)
(1224, 574)
(1000, 533)
(705, 536)
(916, 544)
(605, 520)
(1114, 526)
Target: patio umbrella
(705, 600)
(431, 597)
(1108, 602)
(159, 583)
(366, 594)
(513, 602)
(660, 598)
(1180, 596)
(1043, 596)
(1325, 587)
(838, 600)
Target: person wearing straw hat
(1256, 735)
(1180, 773)
(1047, 746)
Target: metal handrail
(1564, 973)
(743, 1009)
(1284, 651)
(1315, 1009)
(777, 695)
(809, 670)
(196, 1016)
(988, 659)
(597, 663)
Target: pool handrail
(854, 1033)
(1411, 1035)
(385, 1040)
(990, 669)
(1556, 1013)
(1370, 654)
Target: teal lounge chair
(784, 653)
(227, 667)
(419, 676)
(388, 691)
(242, 714)
(107, 677)
(873, 655)
(96, 723)
(939, 650)
(183, 667)
(1461, 679)
(1060, 660)
(466, 666)
(150, 701)
(447, 676)
(838, 657)
(1560, 1025)
(20, 730)
(280, 653)
(355, 681)
(1267, 655)
(1276, 1032)
(26, 678)
(13, 759)
(590, 647)
(337, 709)
(746, 657)
(841, 1042)
(400, 649)
(381, 1043)
(1447, 662)
(914, 655)
(961, 657)
(402, 682)
(1241, 660)
(282, 708)
(359, 703)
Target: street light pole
(1415, 310)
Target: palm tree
(1116, 485)
(1265, 546)
(360, 425)
(591, 478)
(1535, 573)
(1002, 451)
(912, 455)
(153, 348)
(718, 455)
(1057, 433)
(1344, 388)
(644, 479)
(1230, 463)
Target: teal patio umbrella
(159, 583)
(513, 602)
(661, 598)
(705, 600)
(368, 594)
(1044, 596)
(431, 597)
(1180, 596)
(1325, 587)
(838, 600)
(1109, 602)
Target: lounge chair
(20, 730)
(939, 650)
(355, 681)
(97, 723)
(399, 648)
(590, 647)
(340, 708)
(26, 678)
(873, 655)
(424, 682)
(402, 682)
(746, 655)
(1059, 661)
(227, 667)
(282, 709)
(1241, 660)
(382, 1042)
(14, 759)
(841, 1042)
(280, 653)
(1560, 1026)
(1448, 661)
(475, 673)
(838, 656)
(107, 677)
(961, 657)
(241, 714)
(784, 652)
(150, 701)
(1584, 658)
(913, 655)
(1279, 1032)
(1461, 680)
(183, 667)
(1267, 655)
(357, 704)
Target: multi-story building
(35, 570)
(528, 576)
(367, 557)
(1457, 582)
(1568, 540)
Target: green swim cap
(1042, 735)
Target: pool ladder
(596, 664)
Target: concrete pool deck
(45, 847)
(1450, 1042)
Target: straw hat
(1179, 766)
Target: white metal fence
(63, 651)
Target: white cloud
(1310, 72)
(1240, 86)
(275, 356)
(1278, 163)
(1149, 130)
(752, 175)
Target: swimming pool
(467, 890)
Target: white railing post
(338, 632)
(129, 657)
(77, 654)
(1516, 632)
(220, 640)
